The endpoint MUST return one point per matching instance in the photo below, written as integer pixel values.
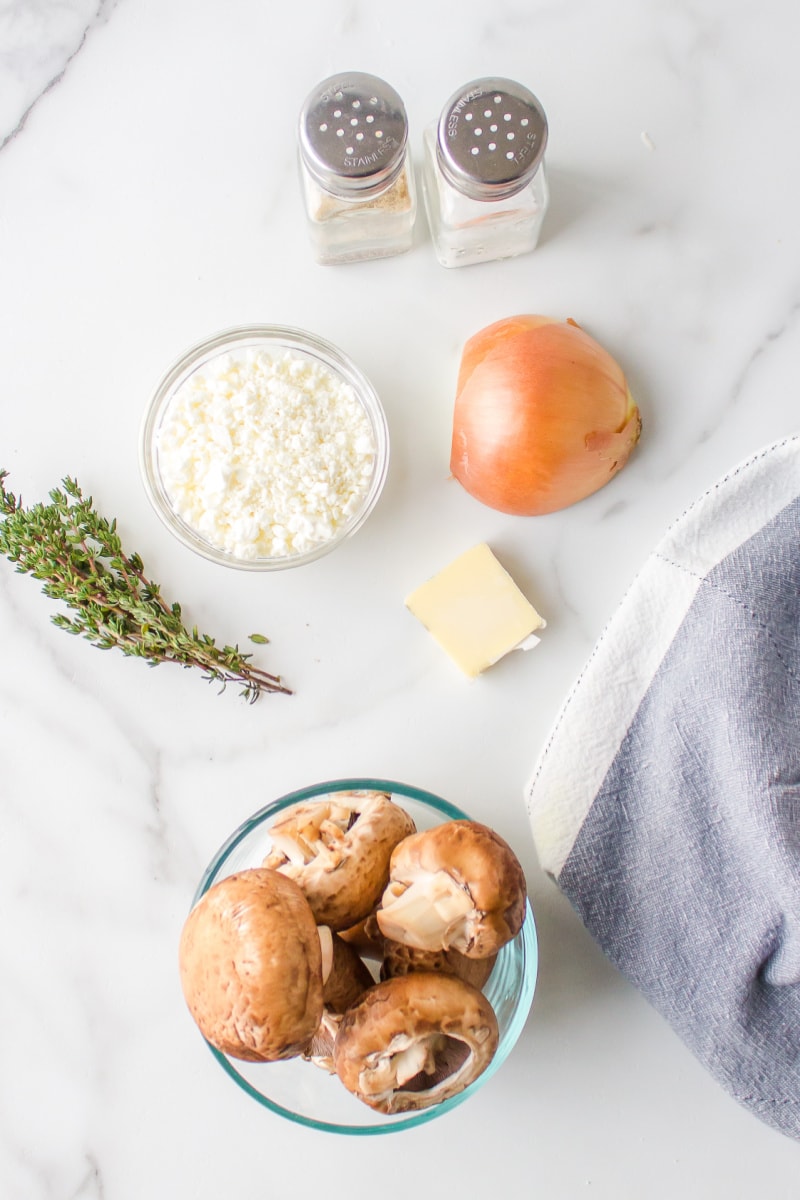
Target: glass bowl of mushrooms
(360, 956)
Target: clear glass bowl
(273, 339)
(306, 1094)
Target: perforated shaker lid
(491, 138)
(353, 133)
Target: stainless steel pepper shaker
(355, 169)
(484, 181)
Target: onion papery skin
(543, 416)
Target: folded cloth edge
(630, 649)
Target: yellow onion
(543, 416)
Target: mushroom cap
(414, 1041)
(474, 877)
(251, 966)
(399, 959)
(338, 850)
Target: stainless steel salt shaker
(355, 169)
(484, 181)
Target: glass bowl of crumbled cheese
(264, 447)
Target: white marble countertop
(148, 197)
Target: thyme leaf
(78, 556)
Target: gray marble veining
(149, 196)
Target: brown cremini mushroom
(337, 849)
(345, 978)
(365, 937)
(457, 886)
(400, 960)
(344, 975)
(319, 1050)
(414, 1041)
(251, 966)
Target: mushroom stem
(326, 946)
(403, 1060)
(319, 1050)
(428, 914)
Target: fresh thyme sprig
(79, 557)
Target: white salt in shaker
(484, 180)
(355, 169)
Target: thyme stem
(78, 556)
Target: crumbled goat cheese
(266, 457)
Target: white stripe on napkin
(638, 636)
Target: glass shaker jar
(355, 169)
(484, 182)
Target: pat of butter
(475, 611)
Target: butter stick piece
(475, 611)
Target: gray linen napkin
(666, 803)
